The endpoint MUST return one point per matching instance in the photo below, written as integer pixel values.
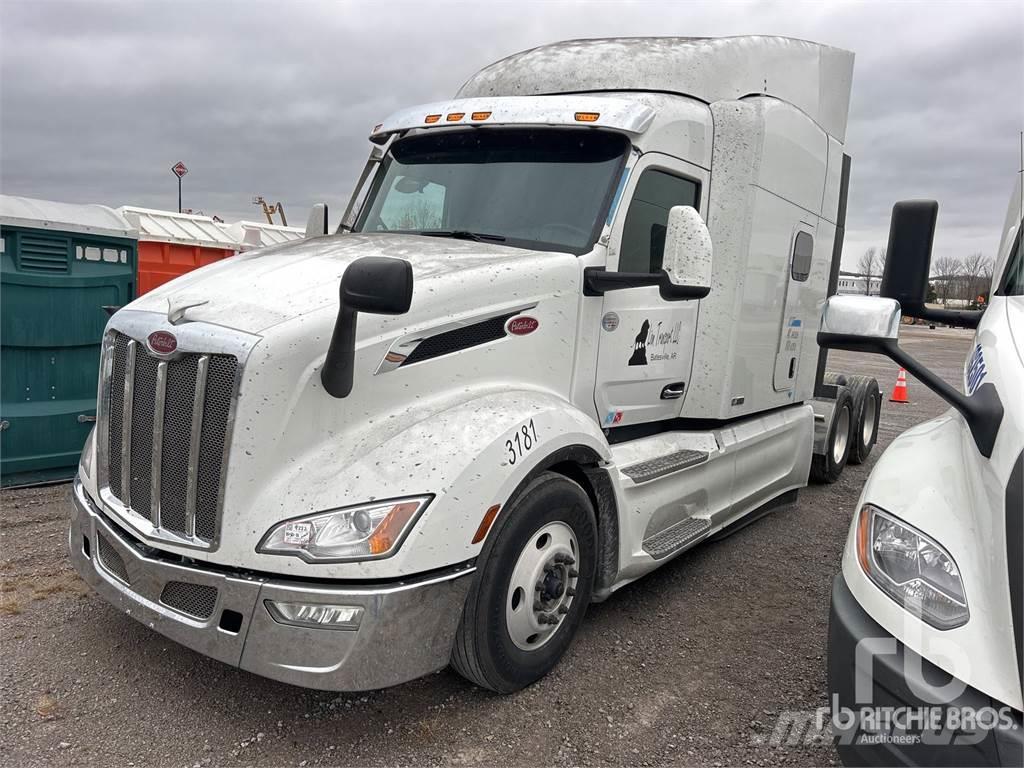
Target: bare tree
(947, 270)
(868, 267)
(973, 271)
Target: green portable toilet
(60, 265)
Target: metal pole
(179, 194)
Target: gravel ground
(690, 665)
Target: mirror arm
(597, 281)
(983, 411)
(958, 318)
(336, 375)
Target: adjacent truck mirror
(871, 324)
(316, 223)
(686, 263)
(374, 284)
(908, 264)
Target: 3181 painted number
(522, 442)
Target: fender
(489, 463)
(933, 478)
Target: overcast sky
(98, 100)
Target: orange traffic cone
(899, 392)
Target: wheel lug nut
(570, 592)
(563, 609)
(573, 573)
(539, 586)
(537, 606)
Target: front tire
(532, 587)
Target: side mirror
(687, 258)
(316, 223)
(867, 321)
(871, 324)
(686, 263)
(908, 264)
(374, 284)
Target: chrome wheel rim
(542, 587)
(842, 436)
(867, 430)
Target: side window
(643, 235)
(803, 249)
(413, 204)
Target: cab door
(646, 343)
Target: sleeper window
(643, 235)
(803, 248)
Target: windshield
(1013, 279)
(544, 188)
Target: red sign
(162, 342)
(179, 169)
(520, 326)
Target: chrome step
(650, 469)
(675, 537)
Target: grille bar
(159, 405)
(193, 448)
(166, 427)
(126, 424)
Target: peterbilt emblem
(162, 342)
(520, 326)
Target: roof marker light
(479, 115)
(377, 127)
(431, 118)
(587, 117)
(454, 117)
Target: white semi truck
(927, 620)
(522, 374)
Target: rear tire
(500, 644)
(827, 467)
(867, 408)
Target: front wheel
(531, 589)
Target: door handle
(673, 391)
(84, 418)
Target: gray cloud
(97, 101)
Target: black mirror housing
(909, 253)
(374, 284)
(908, 264)
(378, 285)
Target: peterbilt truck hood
(257, 290)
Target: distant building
(854, 283)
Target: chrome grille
(167, 429)
(111, 560)
(197, 600)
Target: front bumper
(407, 628)
(911, 691)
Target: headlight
(85, 463)
(366, 532)
(911, 569)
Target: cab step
(659, 466)
(676, 537)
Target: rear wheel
(828, 466)
(532, 589)
(867, 407)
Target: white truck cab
(559, 338)
(925, 659)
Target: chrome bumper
(407, 629)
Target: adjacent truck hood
(260, 289)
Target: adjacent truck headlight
(365, 532)
(911, 568)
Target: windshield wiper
(464, 234)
